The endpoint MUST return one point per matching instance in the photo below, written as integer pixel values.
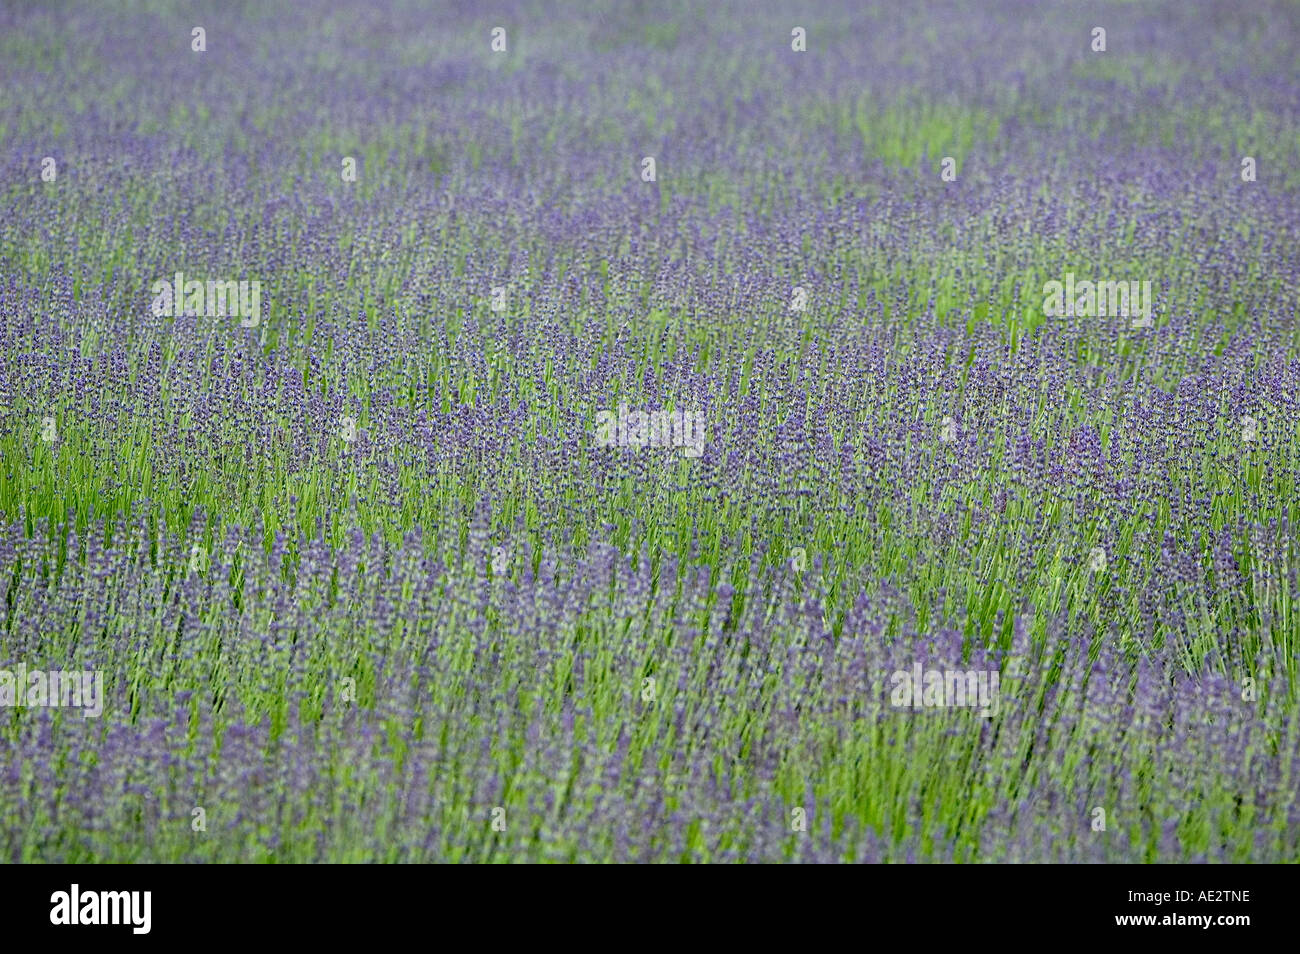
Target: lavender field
(698, 431)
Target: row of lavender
(375, 709)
